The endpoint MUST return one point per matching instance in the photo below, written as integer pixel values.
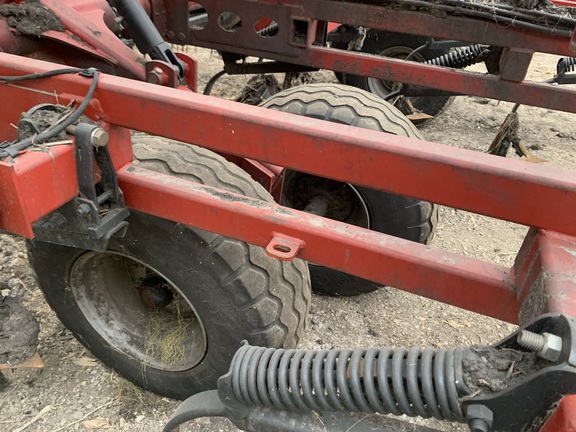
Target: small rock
(203, 421)
(78, 415)
(315, 321)
(139, 418)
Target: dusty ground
(75, 392)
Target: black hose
(426, 383)
(11, 149)
(210, 84)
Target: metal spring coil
(460, 57)
(566, 65)
(414, 382)
(271, 30)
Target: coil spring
(566, 65)
(269, 31)
(460, 57)
(414, 382)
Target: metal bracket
(283, 247)
(527, 402)
(91, 219)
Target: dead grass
(167, 336)
(132, 398)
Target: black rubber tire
(396, 215)
(235, 289)
(399, 45)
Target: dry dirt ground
(76, 392)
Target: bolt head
(552, 347)
(156, 76)
(83, 209)
(99, 137)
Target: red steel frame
(543, 278)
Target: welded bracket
(91, 219)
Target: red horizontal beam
(444, 276)
(529, 194)
(480, 183)
(441, 26)
(458, 81)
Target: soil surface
(31, 18)
(75, 392)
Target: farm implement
(166, 226)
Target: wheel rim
(383, 88)
(344, 201)
(138, 311)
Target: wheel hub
(154, 293)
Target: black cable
(15, 147)
(41, 75)
(210, 84)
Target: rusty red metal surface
(563, 419)
(545, 273)
(543, 278)
(465, 282)
(285, 46)
(35, 184)
(461, 178)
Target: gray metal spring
(398, 381)
(271, 30)
(460, 58)
(566, 65)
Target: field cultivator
(141, 230)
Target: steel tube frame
(544, 268)
(171, 18)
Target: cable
(13, 148)
(210, 84)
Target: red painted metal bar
(481, 183)
(35, 184)
(458, 81)
(563, 419)
(545, 275)
(356, 13)
(439, 25)
(545, 279)
(451, 278)
(484, 184)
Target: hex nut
(479, 411)
(552, 347)
(99, 137)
